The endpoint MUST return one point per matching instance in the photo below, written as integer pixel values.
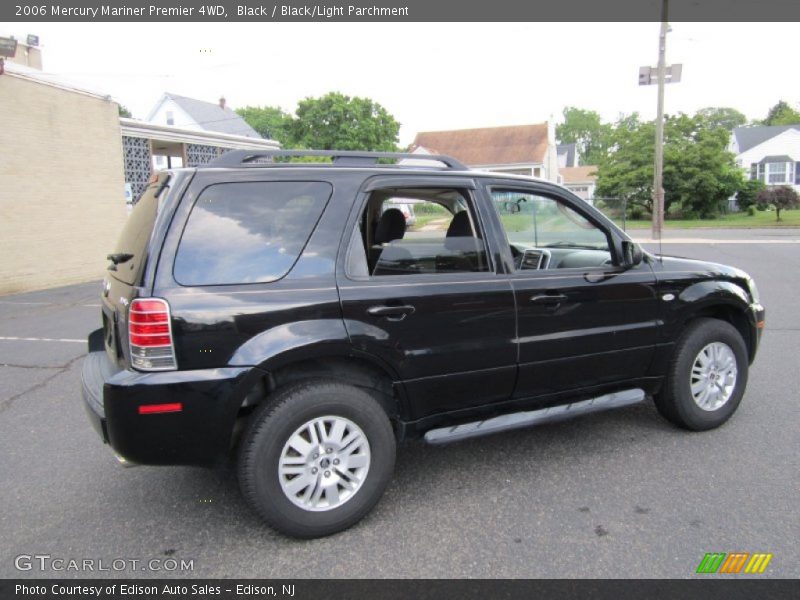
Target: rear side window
(248, 232)
(137, 230)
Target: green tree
(123, 111)
(271, 122)
(782, 114)
(627, 172)
(781, 197)
(339, 122)
(699, 173)
(585, 129)
(723, 116)
(747, 195)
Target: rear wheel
(707, 376)
(316, 458)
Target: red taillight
(146, 305)
(150, 341)
(149, 329)
(150, 335)
(149, 317)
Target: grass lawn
(789, 218)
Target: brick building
(62, 181)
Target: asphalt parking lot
(617, 494)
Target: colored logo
(734, 562)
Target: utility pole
(658, 180)
(660, 75)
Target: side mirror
(631, 254)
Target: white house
(187, 113)
(769, 153)
(567, 155)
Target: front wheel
(707, 376)
(316, 458)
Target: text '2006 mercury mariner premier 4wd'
(287, 312)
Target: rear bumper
(198, 434)
(96, 369)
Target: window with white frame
(776, 172)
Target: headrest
(391, 226)
(459, 226)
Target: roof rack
(342, 158)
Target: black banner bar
(395, 10)
(315, 589)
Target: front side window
(546, 233)
(248, 232)
(417, 231)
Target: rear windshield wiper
(118, 259)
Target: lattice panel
(136, 153)
(199, 154)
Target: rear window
(248, 232)
(137, 230)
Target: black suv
(286, 312)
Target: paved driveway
(619, 494)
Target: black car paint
(475, 345)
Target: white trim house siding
(785, 144)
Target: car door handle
(548, 298)
(394, 313)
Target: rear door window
(138, 228)
(250, 232)
(419, 231)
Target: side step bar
(445, 435)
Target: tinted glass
(539, 221)
(248, 232)
(137, 230)
(427, 238)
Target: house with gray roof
(770, 153)
(188, 113)
(567, 155)
(182, 131)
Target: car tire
(707, 376)
(316, 457)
